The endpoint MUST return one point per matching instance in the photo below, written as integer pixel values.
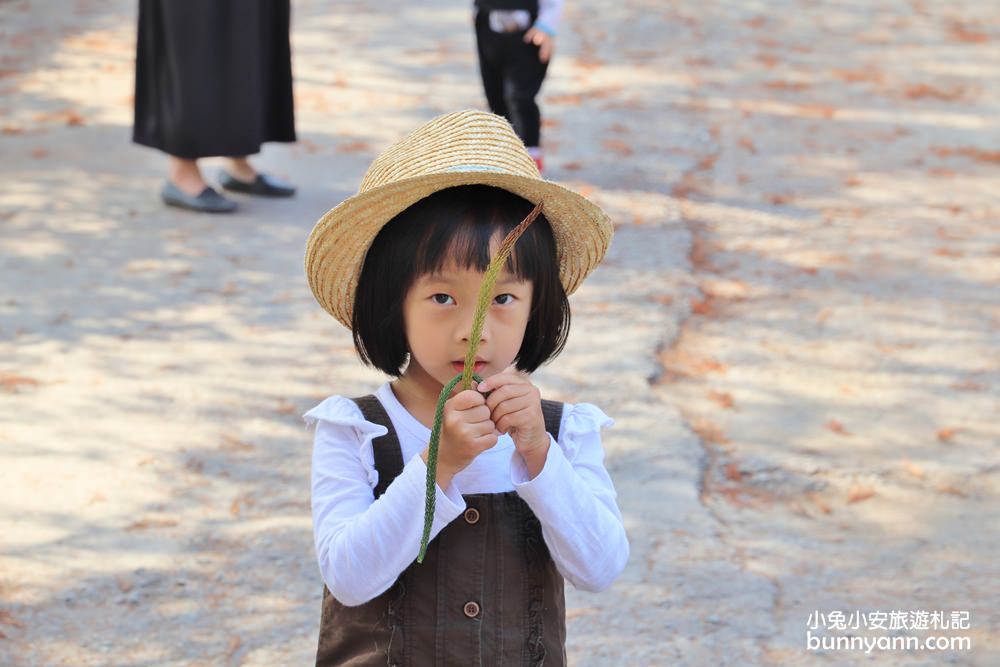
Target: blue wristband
(546, 29)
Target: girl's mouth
(460, 365)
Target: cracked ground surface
(796, 329)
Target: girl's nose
(465, 329)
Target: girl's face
(438, 312)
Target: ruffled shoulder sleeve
(339, 424)
(581, 422)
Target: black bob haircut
(457, 223)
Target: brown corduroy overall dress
(487, 594)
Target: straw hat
(462, 148)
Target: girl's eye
(442, 299)
(504, 299)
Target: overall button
(471, 515)
(471, 609)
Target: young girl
(522, 496)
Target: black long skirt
(213, 77)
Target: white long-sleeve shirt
(549, 15)
(364, 544)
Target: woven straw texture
(461, 148)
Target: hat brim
(340, 239)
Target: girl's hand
(545, 42)
(515, 407)
(466, 432)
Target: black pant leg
(522, 80)
(490, 64)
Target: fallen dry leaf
(859, 493)
(618, 147)
(914, 469)
(819, 502)
(946, 434)
(971, 152)
(706, 162)
(12, 383)
(231, 444)
(702, 307)
(955, 491)
(686, 186)
(968, 385)
(354, 147)
(309, 146)
(836, 427)
(7, 619)
(767, 60)
(709, 432)
(794, 86)
(818, 110)
(724, 399)
(866, 74)
(919, 91)
(145, 524)
(573, 100)
(961, 33)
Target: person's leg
(522, 82)
(186, 188)
(186, 175)
(240, 168)
(240, 176)
(490, 64)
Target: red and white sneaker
(536, 154)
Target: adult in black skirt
(213, 78)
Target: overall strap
(552, 413)
(386, 448)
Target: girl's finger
(466, 399)
(502, 378)
(476, 415)
(506, 393)
(512, 406)
(514, 420)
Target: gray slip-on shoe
(264, 185)
(207, 201)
